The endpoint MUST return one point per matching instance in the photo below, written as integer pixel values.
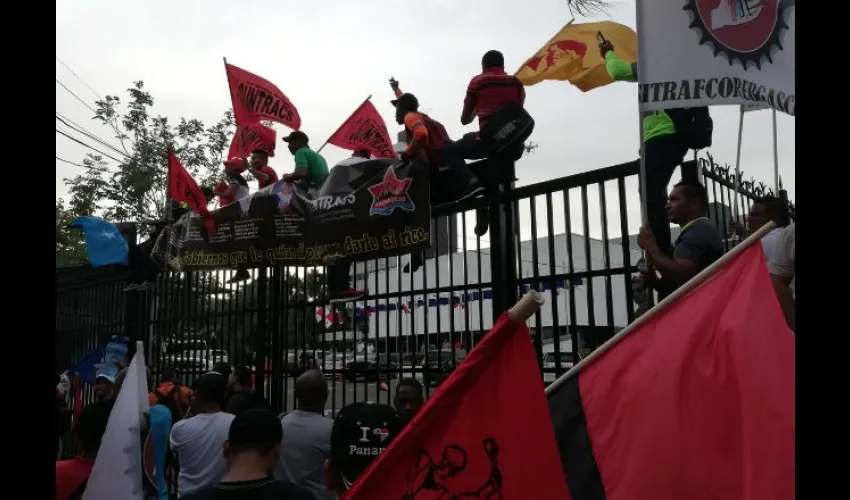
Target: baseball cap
(361, 432)
(296, 135)
(408, 101)
(254, 427)
(235, 163)
(104, 376)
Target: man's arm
(300, 171)
(782, 270)
(782, 288)
(675, 271)
(468, 113)
(420, 134)
(261, 176)
(230, 191)
(617, 69)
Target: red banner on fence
(365, 129)
(254, 136)
(255, 98)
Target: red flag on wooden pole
(255, 98)
(183, 188)
(365, 129)
(485, 433)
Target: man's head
(406, 103)
(359, 429)
(170, 374)
(223, 367)
(687, 201)
(209, 193)
(311, 391)
(104, 386)
(259, 158)
(296, 140)
(493, 59)
(90, 426)
(241, 375)
(254, 440)
(212, 389)
(764, 210)
(361, 153)
(409, 398)
(234, 166)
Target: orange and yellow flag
(573, 54)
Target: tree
(135, 188)
(70, 247)
(588, 8)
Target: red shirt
(70, 474)
(272, 176)
(491, 91)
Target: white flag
(117, 471)
(705, 52)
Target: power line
(75, 95)
(113, 125)
(69, 162)
(79, 129)
(86, 145)
(79, 78)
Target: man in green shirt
(664, 150)
(309, 165)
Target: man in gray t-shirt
(307, 437)
(699, 243)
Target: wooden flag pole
(738, 166)
(775, 155)
(344, 122)
(664, 304)
(527, 305)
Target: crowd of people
(227, 443)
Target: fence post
(503, 271)
(260, 330)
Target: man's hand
(393, 83)
(604, 47)
(646, 240)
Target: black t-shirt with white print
(259, 489)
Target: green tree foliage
(70, 247)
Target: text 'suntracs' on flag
(255, 98)
(183, 188)
(104, 243)
(486, 433)
(365, 129)
(573, 55)
(117, 471)
(696, 404)
(250, 138)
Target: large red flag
(254, 136)
(255, 98)
(365, 129)
(183, 188)
(485, 433)
(697, 403)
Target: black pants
(663, 154)
(339, 278)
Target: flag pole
(527, 305)
(738, 166)
(775, 155)
(664, 304)
(346, 121)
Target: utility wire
(79, 78)
(111, 123)
(77, 128)
(86, 145)
(69, 162)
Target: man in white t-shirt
(762, 211)
(198, 440)
(783, 271)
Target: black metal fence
(571, 238)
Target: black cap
(407, 101)
(361, 432)
(296, 135)
(254, 427)
(212, 387)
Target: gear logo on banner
(748, 31)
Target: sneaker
(471, 191)
(482, 221)
(241, 275)
(414, 265)
(347, 296)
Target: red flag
(696, 403)
(254, 136)
(365, 129)
(485, 433)
(183, 188)
(405, 308)
(255, 98)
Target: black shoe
(482, 221)
(471, 191)
(414, 265)
(241, 275)
(347, 296)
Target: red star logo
(390, 194)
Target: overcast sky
(328, 55)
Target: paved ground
(342, 393)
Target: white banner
(710, 52)
(754, 107)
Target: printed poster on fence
(374, 209)
(710, 52)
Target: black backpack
(694, 125)
(170, 402)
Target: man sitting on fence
(762, 211)
(699, 243)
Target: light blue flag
(104, 243)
